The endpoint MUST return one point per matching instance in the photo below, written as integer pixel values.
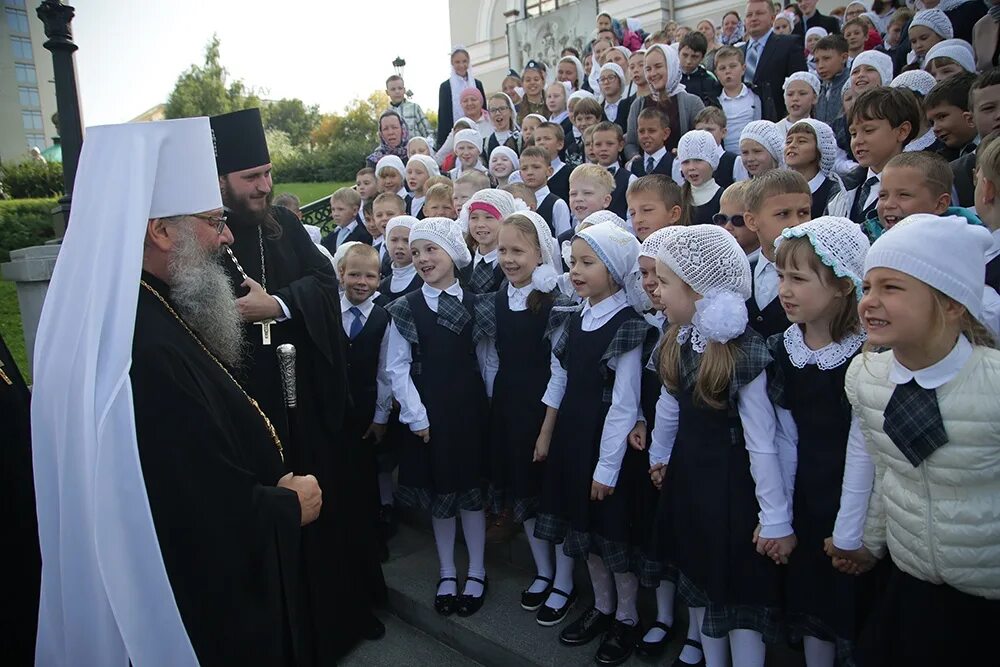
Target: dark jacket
(782, 56)
(703, 83)
(624, 106)
(446, 119)
(965, 186)
(817, 20)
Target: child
(615, 106)
(552, 138)
(948, 58)
(911, 183)
(801, 92)
(522, 192)
(698, 157)
(696, 79)
(392, 176)
(881, 121)
(366, 184)
(466, 186)
(637, 74)
(557, 104)
(761, 147)
(919, 83)
(505, 130)
(947, 110)
(536, 168)
(922, 295)
(468, 148)
(533, 99)
(855, 33)
(813, 35)
(778, 199)
(740, 104)
(831, 68)
(445, 155)
(588, 145)
(590, 189)
(418, 146)
(597, 366)
(482, 215)
(570, 70)
(653, 129)
(385, 207)
(928, 27)
(713, 120)
(714, 425)
(344, 206)
(988, 207)
(811, 150)
(984, 101)
(871, 69)
(730, 216)
(528, 127)
(819, 266)
(443, 401)
(655, 202)
(503, 163)
(403, 278)
(439, 202)
(609, 141)
(419, 169)
(586, 113)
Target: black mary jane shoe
(547, 616)
(445, 604)
(654, 649)
(618, 644)
(694, 644)
(470, 604)
(589, 626)
(532, 601)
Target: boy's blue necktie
(357, 324)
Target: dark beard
(243, 212)
(204, 296)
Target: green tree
(279, 146)
(292, 117)
(360, 119)
(207, 91)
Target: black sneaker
(588, 627)
(532, 601)
(547, 616)
(619, 641)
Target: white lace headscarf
(619, 251)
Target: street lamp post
(57, 18)
(397, 65)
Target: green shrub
(24, 223)
(32, 179)
(337, 163)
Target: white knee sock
(748, 648)
(627, 585)
(474, 529)
(600, 579)
(564, 578)
(541, 551)
(385, 488)
(819, 653)
(444, 539)
(716, 650)
(692, 654)
(664, 611)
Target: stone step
(403, 644)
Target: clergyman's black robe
(22, 560)
(230, 538)
(342, 570)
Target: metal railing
(318, 213)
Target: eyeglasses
(607, 79)
(721, 219)
(219, 221)
(499, 109)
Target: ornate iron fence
(318, 213)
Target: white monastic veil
(105, 596)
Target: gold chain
(267, 422)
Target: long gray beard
(204, 296)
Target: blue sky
(325, 52)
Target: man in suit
(770, 57)
(814, 19)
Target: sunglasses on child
(721, 219)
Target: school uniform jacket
(621, 120)
(619, 204)
(359, 234)
(664, 166)
(559, 183)
(782, 56)
(843, 201)
(769, 321)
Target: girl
(556, 101)
(801, 92)
(418, 146)
(811, 150)
(503, 163)
(418, 171)
(404, 278)
(820, 264)
(391, 176)
(870, 70)
(585, 504)
(473, 104)
(813, 35)
(761, 147)
(663, 71)
(928, 409)
(449, 93)
(919, 83)
(512, 87)
(533, 98)
(528, 127)
(616, 107)
(699, 157)
(518, 325)
(928, 27)
(505, 129)
(431, 363)
(570, 70)
(637, 74)
(445, 155)
(392, 135)
(783, 24)
(481, 216)
(468, 147)
(948, 58)
(713, 451)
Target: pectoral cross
(3, 377)
(265, 330)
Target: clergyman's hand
(257, 305)
(310, 495)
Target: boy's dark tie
(649, 165)
(858, 209)
(357, 324)
(452, 314)
(913, 422)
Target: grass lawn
(10, 325)
(309, 192)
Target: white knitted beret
(447, 234)
(698, 145)
(427, 142)
(826, 144)
(654, 242)
(428, 163)
(707, 258)
(819, 32)
(400, 221)
(877, 60)
(839, 243)
(916, 80)
(808, 77)
(509, 153)
(958, 50)
(546, 244)
(393, 162)
(767, 134)
(600, 217)
(935, 20)
(470, 137)
(946, 253)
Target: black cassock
(230, 538)
(17, 489)
(343, 574)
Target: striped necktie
(753, 57)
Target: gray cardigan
(688, 106)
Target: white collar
(937, 374)
(872, 173)
(407, 271)
(744, 91)
(365, 307)
(557, 164)
(691, 332)
(613, 104)
(816, 181)
(433, 292)
(610, 305)
(541, 193)
(754, 256)
(827, 357)
(995, 250)
(379, 241)
(349, 227)
(518, 291)
(490, 257)
(922, 142)
(403, 194)
(559, 117)
(761, 266)
(657, 156)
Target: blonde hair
(522, 192)
(595, 174)
(771, 184)
(435, 180)
(439, 191)
(476, 178)
(735, 193)
(363, 249)
(715, 372)
(347, 196)
(799, 252)
(390, 198)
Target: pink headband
(489, 209)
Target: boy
(587, 113)
(536, 168)
(831, 68)
(732, 205)
(881, 121)
(590, 188)
(385, 207)
(918, 182)
(439, 201)
(774, 200)
(467, 185)
(653, 128)
(551, 138)
(947, 110)
(411, 113)
(366, 184)
(609, 142)
(588, 145)
(988, 205)
(740, 104)
(655, 202)
(984, 102)
(344, 206)
(696, 79)
(730, 169)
